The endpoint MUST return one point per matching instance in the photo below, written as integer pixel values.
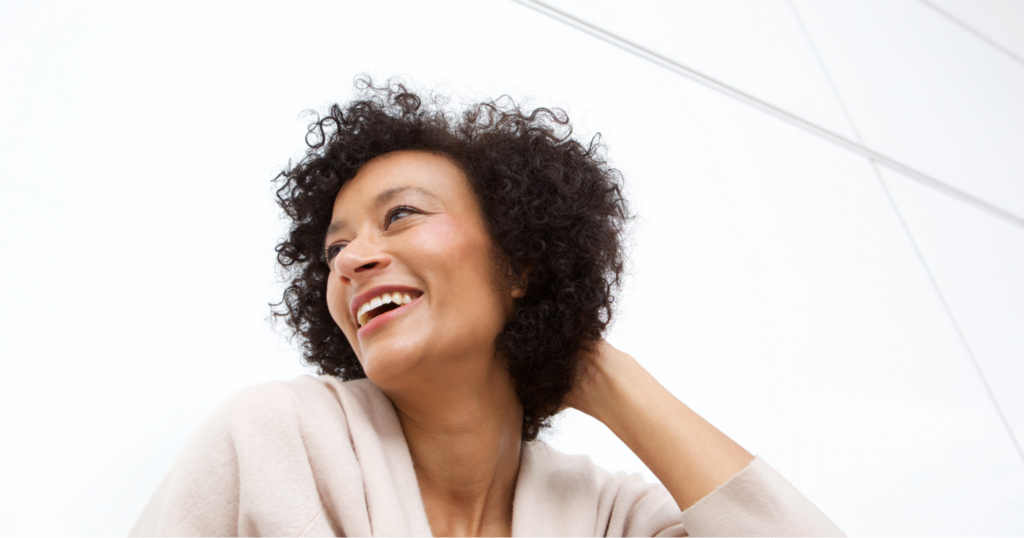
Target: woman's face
(411, 281)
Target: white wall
(860, 331)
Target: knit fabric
(320, 457)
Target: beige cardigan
(318, 457)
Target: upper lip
(358, 300)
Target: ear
(519, 288)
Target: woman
(457, 273)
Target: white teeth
(397, 298)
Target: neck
(464, 435)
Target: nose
(360, 260)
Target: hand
(591, 387)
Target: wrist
(604, 381)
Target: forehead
(406, 172)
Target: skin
(410, 218)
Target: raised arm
(721, 488)
(689, 455)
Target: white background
(864, 333)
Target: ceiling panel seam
(973, 31)
(949, 312)
(906, 228)
(778, 113)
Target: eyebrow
(384, 197)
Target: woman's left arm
(689, 455)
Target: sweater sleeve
(758, 501)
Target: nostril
(367, 266)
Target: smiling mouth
(383, 303)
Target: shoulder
(274, 394)
(577, 472)
(303, 399)
(558, 469)
(254, 467)
(554, 485)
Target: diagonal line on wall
(976, 33)
(906, 229)
(817, 130)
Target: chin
(388, 365)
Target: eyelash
(332, 251)
(393, 211)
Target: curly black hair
(554, 207)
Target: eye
(396, 214)
(332, 251)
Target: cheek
(460, 255)
(457, 248)
(338, 307)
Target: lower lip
(375, 323)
